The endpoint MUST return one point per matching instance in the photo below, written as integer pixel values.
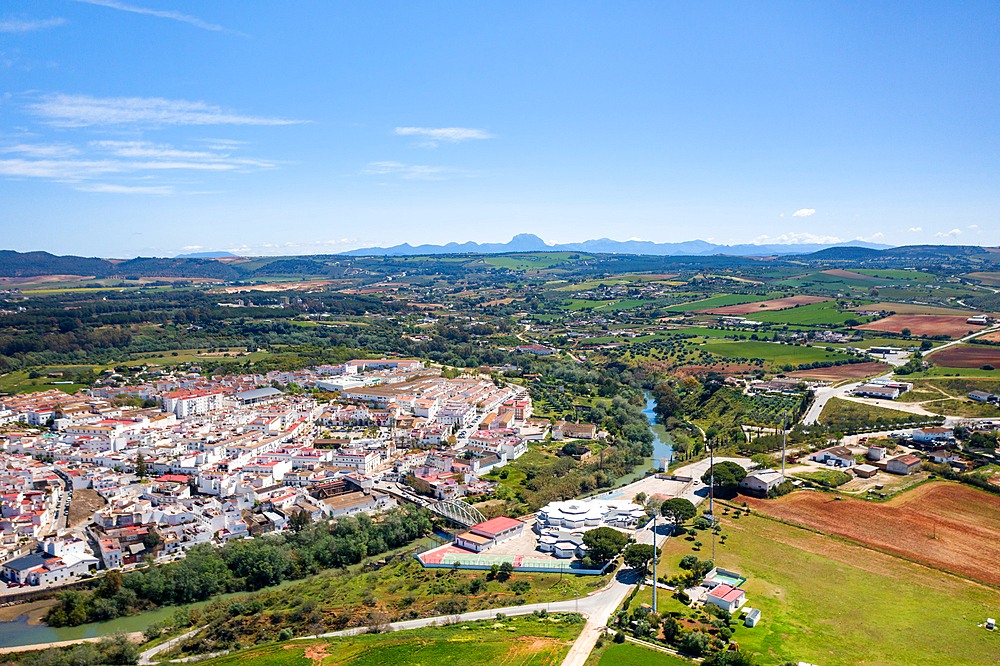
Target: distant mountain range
(532, 243)
(206, 255)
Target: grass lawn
(831, 477)
(630, 654)
(514, 641)
(825, 601)
(952, 372)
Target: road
(145, 658)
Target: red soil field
(841, 273)
(766, 306)
(954, 327)
(966, 356)
(842, 372)
(992, 337)
(944, 525)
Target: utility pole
(711, 478)
(783, 441)
(654, 562)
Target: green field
(897, 275)
(535, 262)
(809, 315)
(827, 477)
(630, 654)
(721, 301)
(855, 415)
(526, 641)
(770, 351)
(825, 601)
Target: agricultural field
(849, 415)
(914, 308)
(520, 641)
(828, 601)
(929, 325)
(719, 301)
(783, 303)
(898, 275)
(990, 278)
(815, 314)
(945, 525)
(966, 356)
(535, 262)
(839, 373)
(772, 352)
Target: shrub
(285, 634)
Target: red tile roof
(497, 525)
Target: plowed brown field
(951, 326)
(766, 306)
(841, 372)
(945, 525)
(966, 356)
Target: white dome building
(584, 514)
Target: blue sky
(153, 127)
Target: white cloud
(42, 150)
(188, 248)
(972, 226)
(449, 134)
(166, 151)
(107, 188)
(793, 238)
(871, 239)
(176, 16)
(26, 25)
(407, 171)
(951, 234)
(84, 111)
(915, 229)
(804, 212)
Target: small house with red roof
(726, 597)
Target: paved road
(145, 658)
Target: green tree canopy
(678, 510)
(603, 543)
(639, 555)
(727, 476)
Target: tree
(506, 569)
(639, 555)
(905, 332)
(727, 476)
(640, 499)
(300, 520)
(730, 657)
(694, 643)
(603, 543)
(141, 469)
(678, 510)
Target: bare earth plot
(944, 525)
(914, 308)
(966, 356)
(841, 372)
(766, 306)
(950, 325)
